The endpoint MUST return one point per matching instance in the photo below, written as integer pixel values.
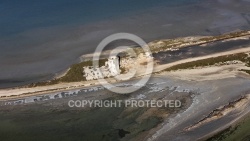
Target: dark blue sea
(39, 38)
(19, 16)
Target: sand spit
(209, 73)
(209, 95)
(238, 38)
(162, 67)
(220, 112)
(212, 94)
(10, 93)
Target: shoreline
(13, 93)
(168, 45)
(229, 70)
(233, 123)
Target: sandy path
(74, 85)
(162, 67)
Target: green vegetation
(222, 135)
(75, 74)
(226, 36)
(212, 61)
(176, 43)
(247, 71)
(237, 133)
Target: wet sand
(36, 61)
(210, 88)
(89, 123)
(206, 96)
(213, 94)
(74, 85)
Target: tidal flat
(55, 120)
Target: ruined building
(111, 68)
(114, 63)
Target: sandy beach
(204, 89)
(75, 85)
(198, 63)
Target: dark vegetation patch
(75, 74)
(212, 61)
(247, 71)
(175, 43)
(223, 134)
(239, 132)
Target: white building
(111, 68)
(113, 65)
